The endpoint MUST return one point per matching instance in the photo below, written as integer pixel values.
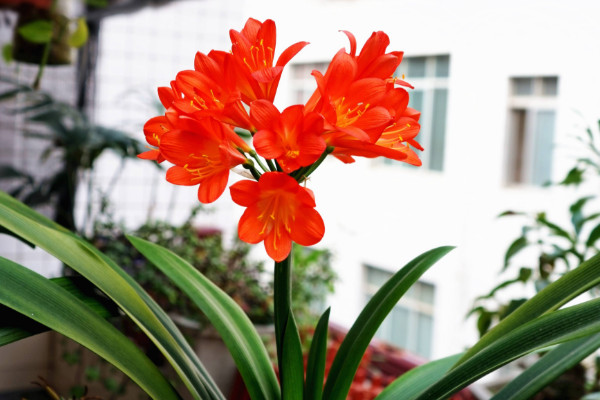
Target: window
(532, 114)
(429, 75)
(410, 323)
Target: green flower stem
(282, 298)
(258, 161)
(249, 165)
(271, 165)
(306, 173)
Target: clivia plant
(359, 109)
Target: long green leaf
(559, 292)
(351, 350)
(548, 368)
(292, 375)
(227, 317)
(413, 382)
(317, 356)
(47, 303)
(120, 287)
(547, 330)
(15, 326)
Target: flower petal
(244, 193)
(309, 229)
(180, 176)
(278, 247)
(212, 187)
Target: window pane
(400, 327)
(426, 293)
(523, 86)
(377, 277)
(438, 129)
(415, 67)
(542, 158)
(517, 145)
(416, 99)
(425, 329)
(550, 86)
(442, 66)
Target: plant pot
(29, 52)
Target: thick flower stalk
(359, 109)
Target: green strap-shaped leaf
(569, 286)
(15, 326)
(116, 284)
(547, 330)
(292, 375)
(47, 303)
(548, 368)
(317, 356)
(413, 382)
(351, 350)
(225, 315)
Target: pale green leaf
(7, 53)
(80, 35)
(39, 31)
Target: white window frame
(531, 104)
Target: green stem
(46, 54)
(310, 169)
(43, 62)
(258, 161)
(282, 299)
(271, 165)
(249, 165)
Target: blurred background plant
(551, 249)
(71, 137)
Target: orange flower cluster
(358, 109)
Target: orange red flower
(202, 154)
(291, 137)
(358, 109)
(253, 51)
(279, 211)
(359, 100)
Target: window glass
(531, 130)
(415, 67)
(550, 86)
(544, 136)
(410, 323)
(442, 66)
(424, 339)
(523, 86)
(438, 128)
